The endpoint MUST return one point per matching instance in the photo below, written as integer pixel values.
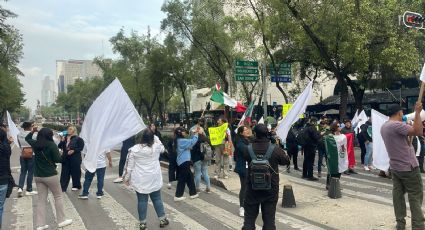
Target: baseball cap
(393, 109)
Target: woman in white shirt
(143, 174)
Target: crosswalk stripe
(23, 209)
(117, 212)
(225, 217)
(187, 222)
(281, 218)
(70, 212)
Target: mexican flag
(247, 115)
(221, 97)
(336, 148)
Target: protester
(100, 175)
(336, 145)
(324, 130)
(71, 146)
(5, 170)
(266, 198)
(347, 130)
(366, 132)
(172, 161)
(155, 131)
(313, 137)
(27, 162)
(221, 154)
(9, 140)
(362, 145)
(198, 154)
(418, 143)
(143, 174)
(404, 165)
(183, 146)
(292, 145)
(241, 144)
(126, 145)
(46, 178)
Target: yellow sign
(217, 134)
(286, 108)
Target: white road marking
(23, 210)
(70, 212)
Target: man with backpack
(309, 137)
(262, 186)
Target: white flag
(298, 108)
(110, 120)
(423, 74)
(361, 120)
(261, 121)
(13, 130)
(380, 155)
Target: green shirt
(45, 160)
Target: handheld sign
(217, 134)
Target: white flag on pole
(423, 74)
(298, 108)
(361, 120)
(110, 120)
(380, 155)
(13, 130)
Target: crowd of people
(254, 148)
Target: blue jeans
(322, 154)
(142, 205)
(27, 168)
(100, 174)
(3, 191)
(368, 157)
(201, 168)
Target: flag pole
(421, 91)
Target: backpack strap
(269, 152)
(251, 152)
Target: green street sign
(246, 78)
(246, 71)
(247, 63)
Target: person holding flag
(336, 148)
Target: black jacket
(241, 145)
(313, 134)
(5, 171)
(279, 157)
(76, 144)
(363, 132)
(195, 152)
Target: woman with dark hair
(5, 171)
(27, 161)
(46, 156)
(183, 146)
(172, 161)
(241, 145)
(71, 146)
(336, 148)
(143, 174)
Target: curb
(214, 181)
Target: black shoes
(313, 178)
(163, 223)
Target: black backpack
(260, 172)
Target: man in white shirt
(100, 174)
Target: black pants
(172, 168)
(123, 159)
(185, 177)
(421, 162)
(293, 153)
(268, 211)
(328, 178)
(362, 149)
(242, 179)
(309, 154)
(71, 167)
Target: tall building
(68, 71)
(48, 94)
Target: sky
(74, 29)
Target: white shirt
(101, 159)
(143, 170)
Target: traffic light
(413, 20)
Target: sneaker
(142, 226)
(216, 177)
(118, 180)
(99, 196)
(75, 189)
(194, 196)
(198, 190)
(241, 212)
(164, 222)
(169, 185)
(371, 167)
(43, 227)
(366, 168)
(207, 190)
(346, 172)
(297, 169)
(65, 223)
(179, 198)
(352, 171)
(313, 178)
(20, 192)
(226, 177)
(83, 197)
(31, 193)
